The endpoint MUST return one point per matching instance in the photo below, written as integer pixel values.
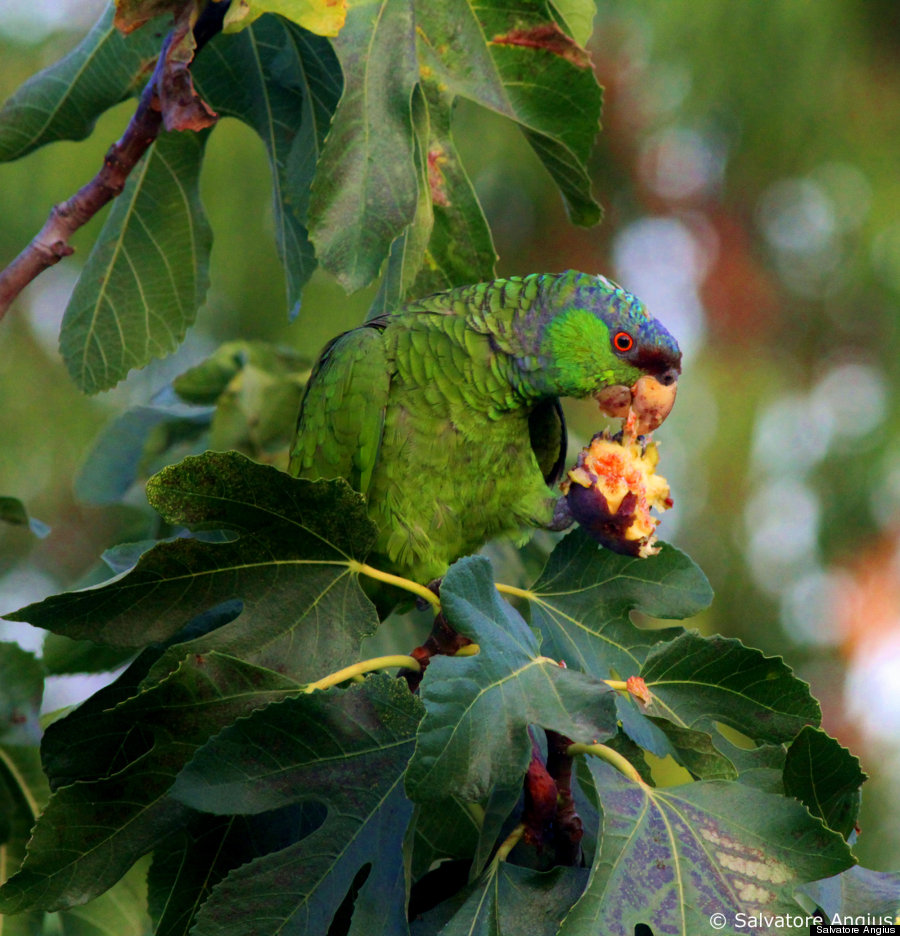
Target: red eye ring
(622, 341)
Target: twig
(168, 96)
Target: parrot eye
(622, 341)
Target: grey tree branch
(169, 100)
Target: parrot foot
(433, 586)
(562, 517)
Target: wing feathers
(341, 420)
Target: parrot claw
(562, 517)
(435, 586)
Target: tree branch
(167, 99)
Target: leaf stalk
(514, 591)
(508, 844)
(468, 650)
(364, 666)
(614, 758)
(9, 766)
(361, 568)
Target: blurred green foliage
(760, 141)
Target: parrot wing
(341, 420)
(549, 439)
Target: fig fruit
(612, 489)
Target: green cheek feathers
(576, 335)
(577, 344)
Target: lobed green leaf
(697, 681)
(440, 832)
(448, 243)
(460, 249)
(346, 748)
(301, 748)
(303, 609)
(509, 900)
(474, 736)
(858, 892)
(583, 599)
(825, 777)
(23, 789)
(187, 865)
(99, 737)
(365, 192)
(284, 83)
(407, 252)
(323, 17)
(671, 857)
(514, 59)
(148, 272)
(299, 889)
(93, 830)
(63, 101)
(578, 15)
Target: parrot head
(599, 340)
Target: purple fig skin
(591, 509)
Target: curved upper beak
(649, 401)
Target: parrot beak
(650, 400)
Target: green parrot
(445, 414)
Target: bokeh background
(750, 175)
